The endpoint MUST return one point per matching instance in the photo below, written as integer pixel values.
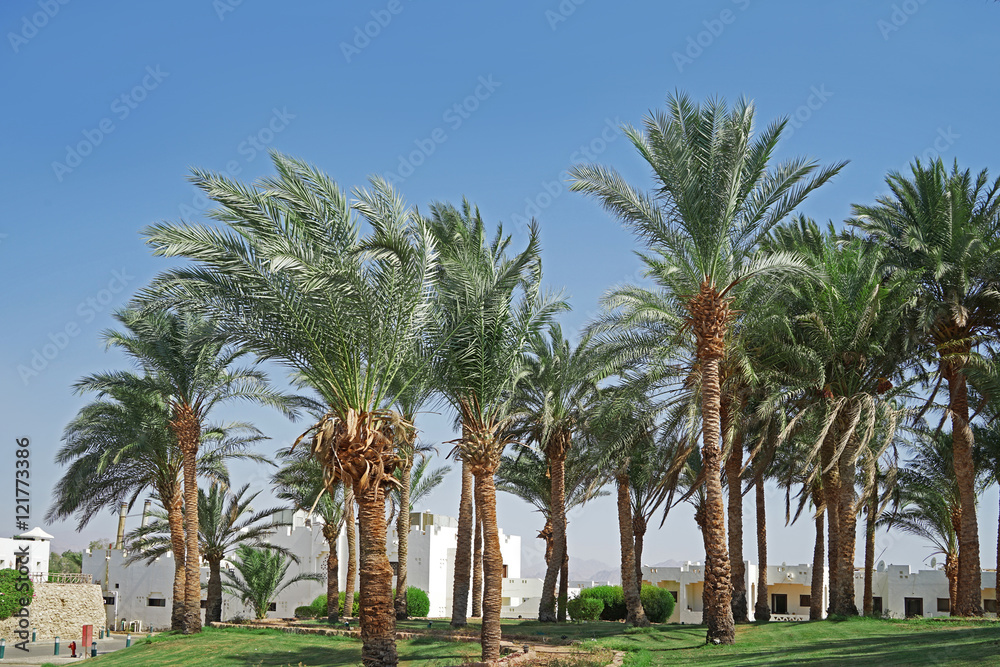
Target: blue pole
(3, 647)
(56, 647)
(128, 640)
(34, 635)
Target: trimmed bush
(613, 598)
(417, 602)
(305, 612)
(319, 605)
(13, 590)
(657, 602)
(585, 609)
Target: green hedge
(417, 603)
(585, 609)
(13, 590)
(305, 612)
(613, 598)
(658, 603)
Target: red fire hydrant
(72, 647)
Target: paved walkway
(43, 651)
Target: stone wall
(61, 610)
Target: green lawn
(856, 642)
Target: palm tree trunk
(867, 603)
(175, 519)
(831, 499)
(463, 552)
(969, 597)
(213, 611)
(762, 607)
(486, 507)
(378, 622)
(188, 432)
(563, 588)
(638, 533)
(816, 589)
(403, 535)
(734, 464)
(330, 533)
(718, 581)
(352, 551)
(633, 603)
(557, 512)
(951, 572)
(848, 516)
(477, 569)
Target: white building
(38, 544)
(143, 593)
(897, 591)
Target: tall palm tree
(551, 402)
(946, 227)
(525, 474)
(299, 481)
(225, 521)
(294, 276)
(120, 446)
(491, 305)
(715, 197)
(261, 577)
(188, 362)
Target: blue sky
(108, 105)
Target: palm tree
(715, 197)
(491, 306)
(292, 276)
(525, 474)
(261, 577)
(222, 528)
(851, 325)
(551, 402)
(946, 228)
(120, 446)
(190, 365)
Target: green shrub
(13, 591)
(417, 602)
(305, 612)
(613, 598)
(585, 609)
(658, 603)
(319, 605)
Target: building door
(913, 606)
(779, 603)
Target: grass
(851, 642)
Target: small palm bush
(260, 577)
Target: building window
(674, 593)
(116, 585)
(204, 604)
(505, 570)
(805, 600)
(156, 602)
(395, 567)
(779, 603)
(273, 606)
(876, 605)
(109, 600)
(944, 604)
(913, 607)
(990, 606)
